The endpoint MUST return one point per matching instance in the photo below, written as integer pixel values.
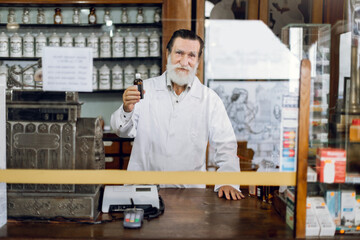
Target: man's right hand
(131, 96)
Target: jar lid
(356, 121)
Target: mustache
(178, 65)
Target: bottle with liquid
(139, 83)
(76, 16)
(26, 16)
(157, 15)
(354, 134)
(124, 16)
(11, 16)
(40, 18)
(107, 16)
(58, 18)
(140, 16)
(92, 16)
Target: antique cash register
(44, 130)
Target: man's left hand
(230, 193)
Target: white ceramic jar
(142, 45)
(105, 47)
(4, 45)
(80, 40)
(54, 40)
(28, 45)
(93, 42)
(40, 42)
(154, 45)
(104, 78)
(129, 76)
(143, 70)
(95, 79)
(130, 45)
(15, 45)
(117, 77)
(117, 45)
(28, 79)
(154, 71)
(67, 40)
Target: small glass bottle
(139, 83)
(129, 76)
(130, 45)
(92, 16)
(11, 16)
(80, 40)
(105, 47)
(26, 16)
(354, 133)
(54, 40)
(28, 45)
(107, 16)
(124, 16)
(117, 45)
(154, 45)
(40, 18)
(15, 46)
(67, 40)
(117, 77)
(76, 16)
(95, 79)
(40, 42)
(93, 42)
(157, 15)
(140, 16)
(4, 45)
(104, 81)
(58, 18)
(142, 45)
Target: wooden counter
(189, 214)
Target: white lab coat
(168, 139)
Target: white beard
(180, 78)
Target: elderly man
(177, 117)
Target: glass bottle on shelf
(15, 45)
(40, 18)
(157, 15)
(105, 46)
(92, 16)
(107, 16)
(28, 45)
(140, 16)
(28, 79)
(124, 16)
(67, 40)
(104, 81)
(4, 45)
(143, 70)
(154, 71)
(142, 45)
(54, 40)
(130, 45)
(129, 76)
(117, 77)
(58, 18)
(117, 45)
(93, 42)
(11, 16)
(95, 79)
(80, 40)
(40, 42)
(26, 16)
(76, 16)
(154, 45)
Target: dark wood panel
(80, 1)
(303, 143)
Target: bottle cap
(356, 121)
(138, 76)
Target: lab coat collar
(195, 90)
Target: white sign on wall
(67, 69)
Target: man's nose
(184, 61)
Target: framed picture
(254, 108)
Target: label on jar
(28, 48)
(92, 19)
(4, 48)
(58, 19)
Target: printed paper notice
(67, 69)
